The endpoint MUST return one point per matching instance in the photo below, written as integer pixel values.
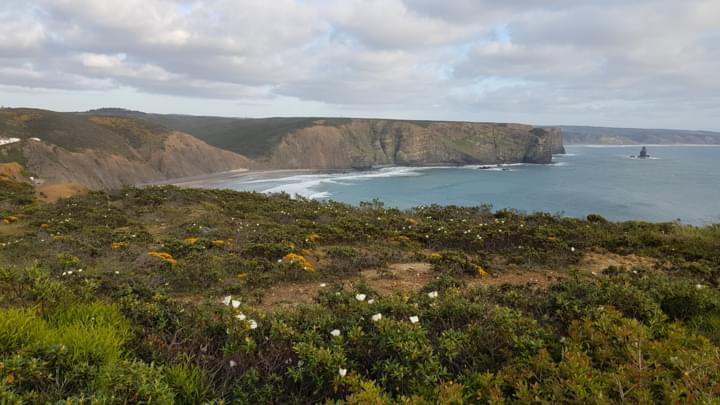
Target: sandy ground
(210, 180)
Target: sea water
(675, 183)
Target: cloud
(468, 59)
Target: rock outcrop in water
(643, 153)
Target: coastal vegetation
(169, 295)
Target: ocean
(676, 183)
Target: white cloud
(534, 60)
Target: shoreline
(206, 181)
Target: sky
(626, 63)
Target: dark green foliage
(86, 315)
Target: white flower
(432, 294)
(117, 272)
(253, 324)
(699, 286)
(70, 272)
(233, 363)
(64, 273)
(323, 285)
(342, 372)
(376, 317)
(371, 301)
(414, 319)
(335, 332)
(227, 300)
(241, 316)
(572, 249)
(235, 303)
(360, 297)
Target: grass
(88, 315)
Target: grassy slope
(76, 132)
(139, 326)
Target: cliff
(364, 143)
(110, 148)
(106, 153)
(583, 135)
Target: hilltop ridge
(110, 147)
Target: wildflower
(227, 300)
(335, 332)
(166, 257)
(119, 245)
(435, 256)
(432, 294)
(117, 272)
(218, 242)
(253, 324)
(313, 237)
(360, 297)
(480, 271)
(44, 226)
(300, 260)
(342, 372)
(233, 363)
(191, 241)
(699, 286)
(323, 285)
(241, 316)
(235, 303)
(572, 249)
(376, 317)
(371, 301)
(414, 319)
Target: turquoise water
(678, 182)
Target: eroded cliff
(363, 143)
(180, 155)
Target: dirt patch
(13, 171)
(597, 262)
(398, 277)
(540, 279)
(289, 295)
(54, 192)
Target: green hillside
(164, 295)
(76, 132)
(252, 137)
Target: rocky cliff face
(180, 155)
(364, 143)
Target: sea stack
(643, 153)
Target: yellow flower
(313, 237)
(191, 241)
(120, 245)
(480, 271)
(218, 242)
(436, 256)
(300, 260)
(44, 226)
(10, 219)
(167, 257)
